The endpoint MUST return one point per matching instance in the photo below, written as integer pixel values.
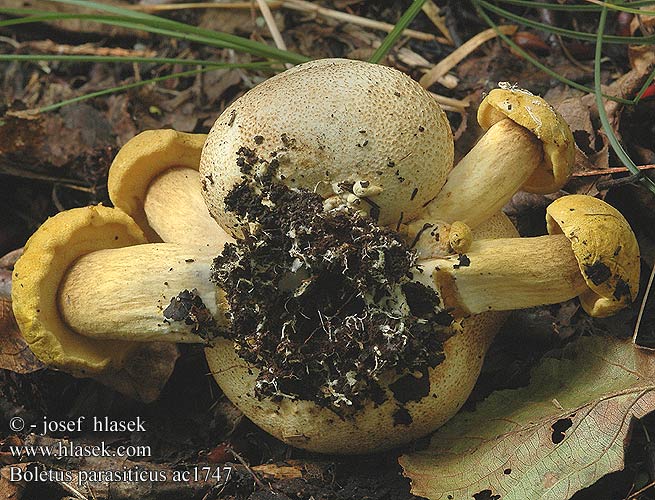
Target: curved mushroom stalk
(143, 293)
(591, 253)
(154, 179)
(527, 146)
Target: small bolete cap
(540, 118)
(605, 247)
(49, 253)
(143, 158)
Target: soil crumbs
(322, 302)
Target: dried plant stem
(642, 308)
(270, 23)
(454, 58)
(300, 6)
(610, 170)
(433, 12)
(450, 103)
(84, 49)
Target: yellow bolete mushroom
(87, 287)
(154, 179)
(591, 253)
(527, 145)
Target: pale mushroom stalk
(488, 176)
(176, 211)
(590, 253)
(121, 293)
(155, 180)
(506, 274)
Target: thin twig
(643, 306)
(610, 170)
(272, 27)
(84, 49)
(245, 464)
(639, 492)
(433, 12)
(455, 57)
(300, 6)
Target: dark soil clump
(323, 302)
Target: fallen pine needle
(455, 57)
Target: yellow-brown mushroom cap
(605, 247)
(536, 115)
(142, 159)
(38, 273)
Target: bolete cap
(540, 118)
(37, 276)
(142, 159)
(605, 247)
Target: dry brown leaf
(560, 434)
(14, 353)
(11, 490)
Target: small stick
(85, 49)
(455, 57)
(610, 170)
(272, 27)
(449, 103)
(642, 308)
(433, 12)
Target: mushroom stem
(121, 293)
(177, 212)
(507, 274)
(488, 176)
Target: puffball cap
(334, 121)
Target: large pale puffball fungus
(346, 129)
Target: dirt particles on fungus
(323, 303)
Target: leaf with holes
(560, 434)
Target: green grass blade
(602, 114)
(551, 6)
(130, 24)
(643, 88)
(525, 55)
(128, 59)
(404, 21)
(153, 24)
(578, 35)
(631, 10)
(121, 88)
(144, 18)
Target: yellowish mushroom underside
(38, 273)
